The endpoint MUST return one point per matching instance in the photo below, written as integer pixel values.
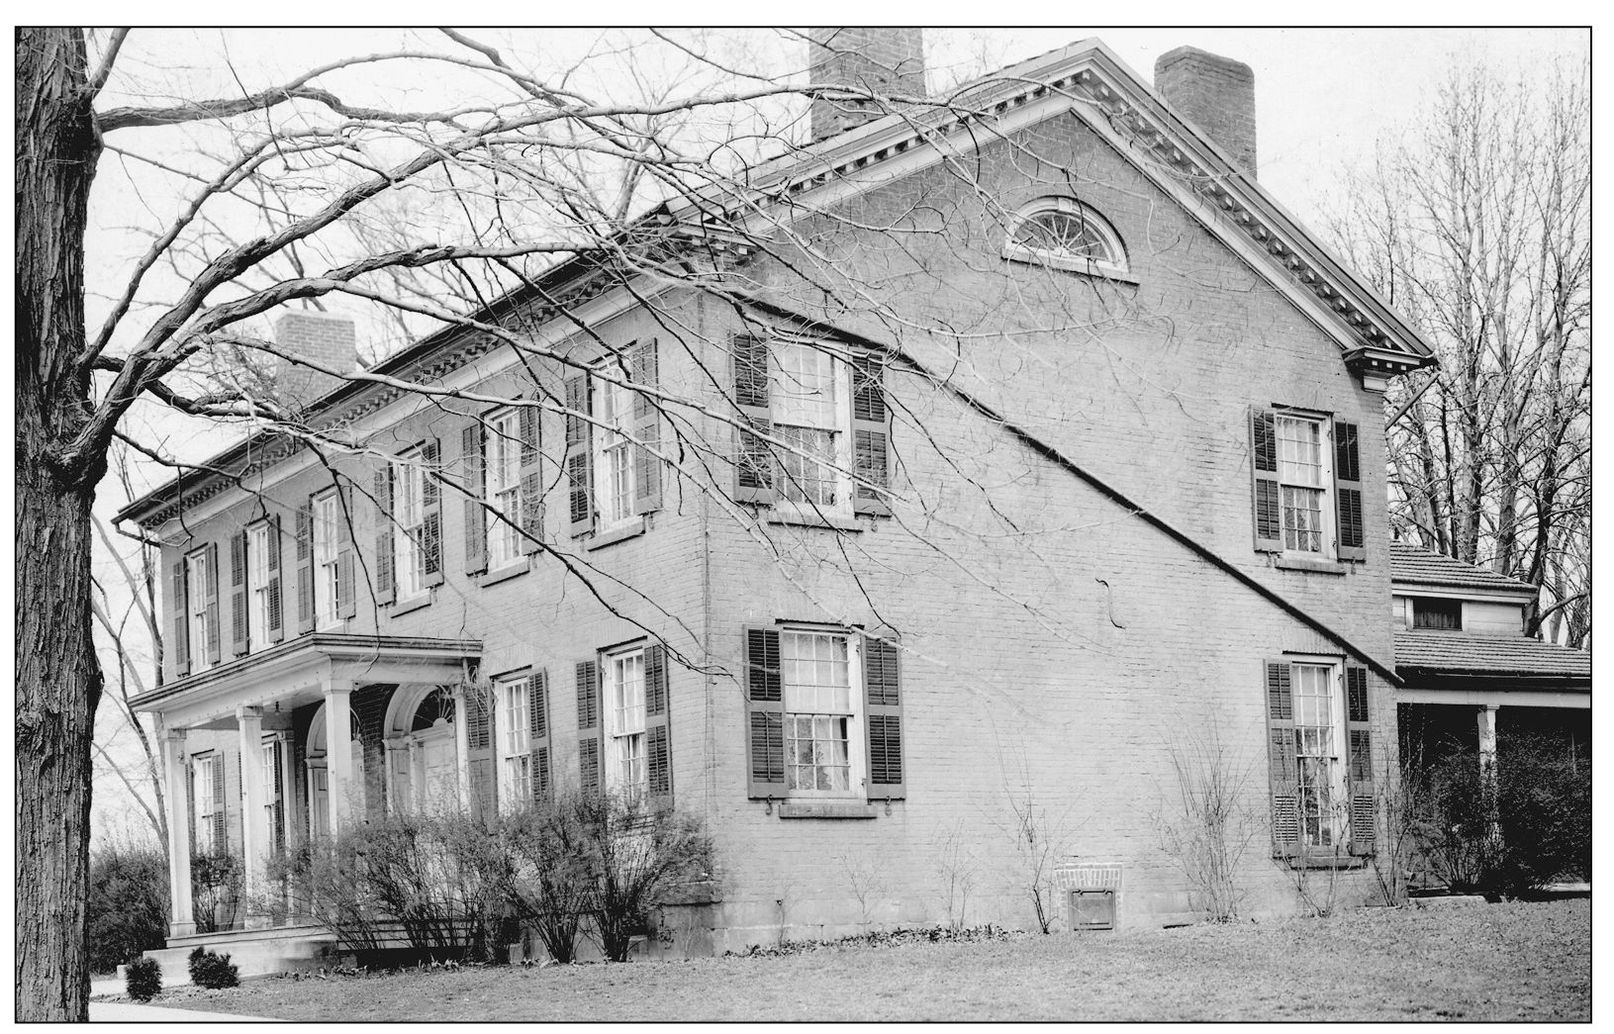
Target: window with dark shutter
(431, 526)
(645, 365)
(538, 736)
(754, 463)
(882, 682)
(871, 435)
(386, 575)
(1348, 492)
(1363, 791)
(239, 637)
(305, 567)
(531, 496)
(276, 602)
(472, 444)
(220, 829)
(590, 760)
(764, 711)
(180, 606)
(579, 443)
(214, 634)
(1283, 764)
(658, 727)
(1264, 481)
(479, 748)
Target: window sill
(1326, 861)
(1289, 563)
(503, 574)
(827, 810)
(797, 518)
(629, 530)
(414, 603)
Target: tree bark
(58, 676)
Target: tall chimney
(1216, 94)
(879, 60)
(320, 337)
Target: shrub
(215, 891)
(550, 883)
(143, 979)
(127, 909)
(212, 970)
(636, 849)
(1207, 825)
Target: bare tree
(1478, 226)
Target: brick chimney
(1216, 94)
(324, 338)
(879, 60)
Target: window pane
(804, 386)
(1065, 233)
(1300, 459)
(1303, 519)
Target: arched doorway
(422, 748)
(319, 785)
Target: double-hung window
(1302, 479)
(810, 393)
(1319, 715)
(624, 693)
(515, 763)
(821, 714)
(328, 520)
(409, 524)
(205, 799)
(614, 455)
(199, 580)
(503, 464)
(258, 583)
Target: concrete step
(254, 952)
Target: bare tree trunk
(58, 677)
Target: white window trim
(807, 510)
(612, 724)
(327, 549)
(196, 618)
(202, 805)
(1339, 775)
(258, 585)
(499, 534)
(1018, 252)
(408, 563)
(514, 743)
(856, 739)
(611, 435)
(1328, 526)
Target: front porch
(324, 730)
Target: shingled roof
(1415, 565)
(1425, 652)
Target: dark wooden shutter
(481, 703)
(590, 748)
(579, 477)
(239, 637)
(214, 632)
(1348, 492)
(657, 728)
(220, 829)
(182, 622)
(538, 735)
(1364, 795)
(754, 466)
(871, 435)
(190, 801)
(531, 491)
(347, 603)
(646, 367)
(1264, 471)
(386, 565)
(473, 440)
(431, 505)
(277, 805)
(882, 689)
(305, 568)
(277, 617)
(1283, 764)
(764, 714)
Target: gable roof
(1420, 654)
(1412, 565)
(1084, 76)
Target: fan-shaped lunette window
(1066, 234)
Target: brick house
(1087, 477)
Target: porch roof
(297, 670)
(1423, 653)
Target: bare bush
(1206, 823)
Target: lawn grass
(1512, 961)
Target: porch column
(254, 802)
(1487, 742)
(462, 747)
(181, 922)
(338, 751)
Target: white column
(181, 922)
(339, 752)
(1487, 741)
(462, 747)
(254, 801)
